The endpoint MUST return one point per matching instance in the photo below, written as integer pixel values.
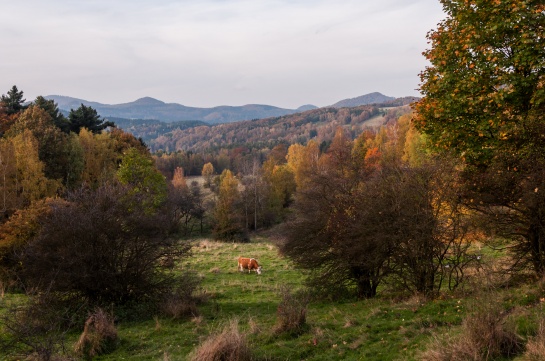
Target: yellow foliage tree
(207, 173)
(178, 180)
(31, 182)
(100, 156)
(281, 186)
(302, 160)
(228, 223)
(8, 175)
(414, 150)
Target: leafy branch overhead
(485, 101)
(485, 88)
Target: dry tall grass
(291, 314)
(229, 345)
(486, 335)
(99, 335)
(179, 307)
(535, 348)
(183, 300)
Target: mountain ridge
(151, 108)
(154, 109)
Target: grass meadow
(384, 328)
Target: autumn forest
(396, 209)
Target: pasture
(384, 328)
(379, 329)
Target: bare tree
(322, 237)
(358, 221)
(420, 212)
(101, 247)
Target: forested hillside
(317, 124)
(372, 98)
(412, 232)
(149, 129)
(234, 146)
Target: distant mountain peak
(148, 101)
(366, 99)
(306, 107)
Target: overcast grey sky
(215, 52)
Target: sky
(206, 53)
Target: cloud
(210, 52)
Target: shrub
(99, 247)
(178, 307)
(37, 329)
(99, 335)
(291, 314)
(361, 218)
(229, 345)
(182, 301)
(17, 232)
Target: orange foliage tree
(484, 100)
(361, 214)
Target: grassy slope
(378, 329)
(371, 329)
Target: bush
(182, 301)
(37, 329)
(229, 345)
(380, 221)
(100, 247)
(17, 232)
(291, 314)
(99, 335)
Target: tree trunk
(366, 287)
(425, 282)
(536, 238)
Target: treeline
(373, 210)
(227, 151)
(150, 129)
(44, 154)
(86, 216)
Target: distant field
(199, 179)
(375, 122)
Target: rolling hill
(153, 109)
(316, 124)
(371, 98)
(150, 108)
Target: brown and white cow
(249, 264)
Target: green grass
(377, 329)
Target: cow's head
(258, 270)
